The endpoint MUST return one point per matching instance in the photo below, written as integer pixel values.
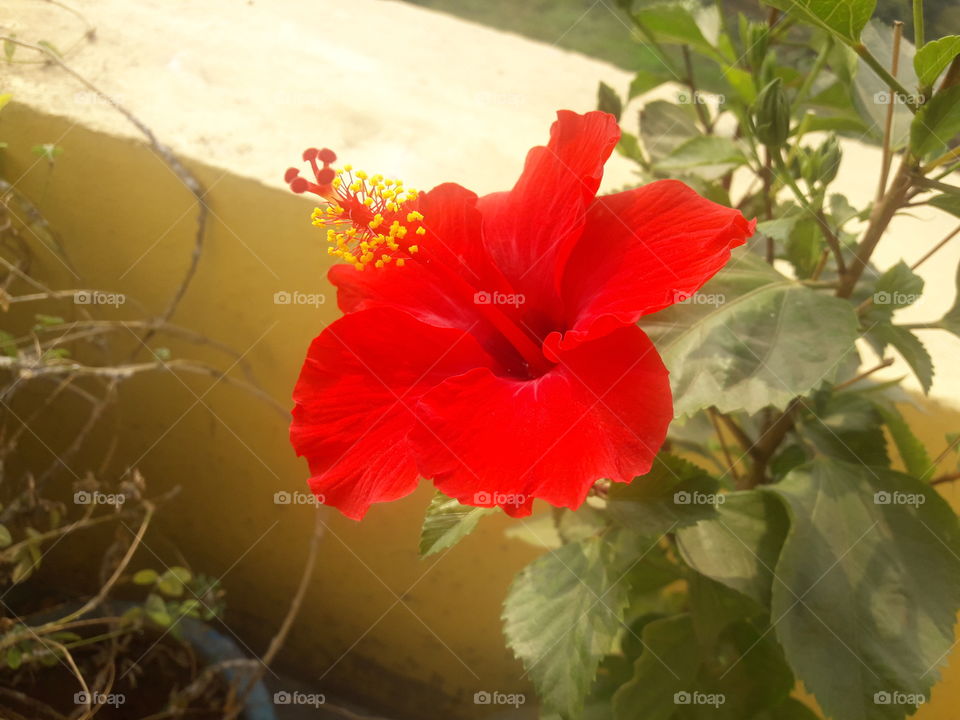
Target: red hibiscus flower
(490, 344)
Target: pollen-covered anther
(368, 217)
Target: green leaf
(715, 607)
(837, 123)
(675, 493)
(751, 338)
(173, 581)
(908, 345)
(646, 80)
(709, 155)
(133, 615)
(869, 586)
(24, 568)
(675, 25)
(780, 228)
(951, 320)
(933, 58)
(48, 320)
(804, 246)
(787, 459)
(576, 525)
(562, 615)
(872, 95)
(845, 18)
(897, 288)
(9, 48)
(629, 147)
(180, 573)
(156, 609)
(936, 123)
(190, 607)
(4, 99)
(145, 577)
(5, 538)
(912, 452)
(845, 426)
(947, 203)
(748, 670)
(740, 547)
(609, 101)
(651, 71)
(841, 211)
(446, 523)
(652, 570)
(14, 657)
(742, 83)
(665, 126)
(668, 665)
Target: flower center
(375, 221)
(371, 220)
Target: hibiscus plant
(744, 525)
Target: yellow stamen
(368, 219)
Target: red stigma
(324, 174)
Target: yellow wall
(377, 619)
(398, 622)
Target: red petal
(356, 398)
(642, 250)
(434, 297)
(530, 230)
(602, 412)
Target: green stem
(947, 171)
(918, 24)
(97, 638)
(937, 185)
(815, 69)
(942, 160)
(885, 75)
(657, 48)
(888, 123)
(828, 235)
(880, 217)
(724, 21)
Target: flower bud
(830, 155)
(772, 115)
